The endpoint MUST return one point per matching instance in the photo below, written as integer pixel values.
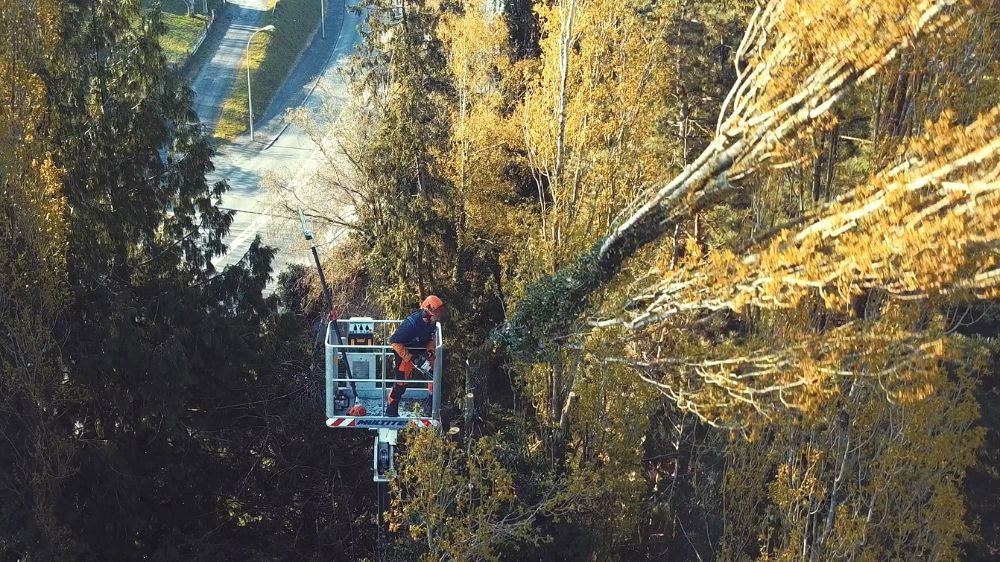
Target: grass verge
(183, 30)
(272, 56)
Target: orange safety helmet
(432, 303)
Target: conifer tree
(154, 338)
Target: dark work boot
(392, 405)
(392, 409)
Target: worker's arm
(406, 332)
(401, 350)
(406, 365)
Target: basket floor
(409, 406)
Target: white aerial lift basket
(367, 379)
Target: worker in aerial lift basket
(416, 331)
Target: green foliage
(170, 411)
(147, 329)
(412, 219)
(461, 505)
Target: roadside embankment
(272, 56)
(184, 32)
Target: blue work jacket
(414, 331)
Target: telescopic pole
(329, 300)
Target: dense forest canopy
(722, 281)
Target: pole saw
(329, 302)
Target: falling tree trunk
(817, 171)
(901, 90)
(553, 303)
(831, 160)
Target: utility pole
(322, 16)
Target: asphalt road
(216, 77)
(280, 148)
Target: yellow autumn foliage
(590, 114)
(922, 229)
